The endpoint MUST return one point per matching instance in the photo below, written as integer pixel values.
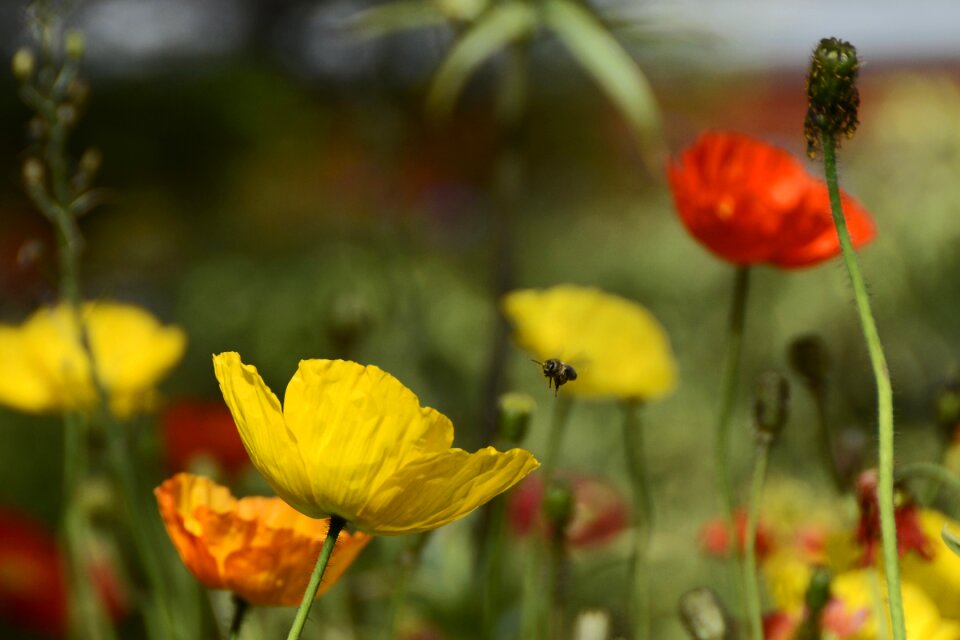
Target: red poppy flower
(910, 535)
(33, 590)
(749, 203)
(599, 511)
(198, 427)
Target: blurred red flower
(193, 428)
(33, 590)
(715, 536)
(910, 535)
(599, 512)
(749, 202)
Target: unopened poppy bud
(704, 616)
(770, 404)
(348, 321)
(832, 96)
(33, 172)
(23, 64)
(558, 506)
(516, 410)
(810, 360)
(74, 44)
(818, 592)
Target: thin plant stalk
(493, 543)
(240, 609)
(752, 586)
(558, 430)
(825, 436)
(638, 581)
(336, 525)
(730, 379)
(881, 375)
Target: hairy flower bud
(514, 416)
(810, 360)
(770, 404)
(703, 615)
(832, 96)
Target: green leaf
(401, 15)
(951, 539)
(599, 53)
(498, 27)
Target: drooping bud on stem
(704, 616)
(770, 405)
(810, 360)
(514, 416)
(832, 97)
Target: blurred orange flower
(193, 428)
(715, 536)
(259, 548)
(749, 202)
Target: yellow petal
(439, 489)
(617, 347)
(359, 425)
(273, 448)
(22, 385)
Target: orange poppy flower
(259, 548)
(749, 202)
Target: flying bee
(557, 373)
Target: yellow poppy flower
(863, 592)
(617, 347)
(352, 441)
(258, 548)
(939, 574)
(47, 369)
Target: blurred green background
(287, 213)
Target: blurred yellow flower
(46, 367)
(863, 591)
(940, 574)
(258, 548)
(352, 441)
(617, 347)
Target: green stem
(825, 436)
(557, 576)
(881, 374)
(240, 609)
(558, 429)
(492, 565)
(638, 589)
(754, 611)
(728, 394)
(336, 525)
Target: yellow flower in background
(352, 441)
(46, 367)
(939, 574)
(863, 592)
(617, 347)
(258, 548)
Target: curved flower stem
(754, 612)
(638, 589)
(825, 436)
(728, 394)
(881, 374)
(240, 609)
(336, 525)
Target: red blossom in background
(33, 590)
(749, 203)
(599, 512)
(194, 428)
(715, 536)
(910, 535)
